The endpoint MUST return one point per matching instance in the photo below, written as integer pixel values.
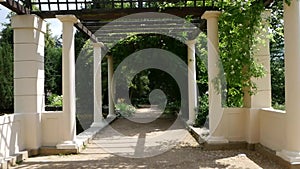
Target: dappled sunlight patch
(238, 161)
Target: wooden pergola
(93, 14)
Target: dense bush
(123, 109)
(55, 100)
(201, 111)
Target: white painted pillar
(111, 107)
(29, 76)
(192, 84)
(291, 150)
(98, 117)
(68, 82)
(215, 101)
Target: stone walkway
(163, 143)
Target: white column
(29, 75)
(98, 117)
(215, 104)
(68, 82)
(192, 84)
(291, 150)
(111, 107)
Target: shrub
(202, 111)
(55, 100)
(279, 106)
(123, 109)
(173, 107)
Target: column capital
(211, 14)
(98, 44)
(190, 42)
(67, 18)
(28, 22)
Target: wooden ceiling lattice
(167, 25)
(95, 14)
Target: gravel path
(112, 150)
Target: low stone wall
(264, 126)
(52, 125)
(272, 128)
(12, 139)
(232, 124)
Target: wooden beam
(15, 7)
(112, 14)
(85, 30)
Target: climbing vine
(239, 24)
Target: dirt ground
(129, 145)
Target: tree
(6, 69)
(53, 65)
(150, 79)
(277, 54)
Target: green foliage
(53, 70)
(239, 25)
(147, 80)
(80, 41)
(277, 54)
(53, 65)
(6, 77)
(84, 78)
(279, 106)
(55, 100)
(172, 107)
(6, 68)
(124, 109)
(139, 84)
(160, 5)
(288, 2)
(201, 111)
(201, 61)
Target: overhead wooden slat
(170, 30)
(111, 14)
(141, 21)
(15, 6)
(85, 30)
(49, 6)
(122, 28)
(76, 4)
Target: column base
(190, 122)
(67, 145)
(290, 156)
(111, 116)
(217, 140)
(100, 124)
